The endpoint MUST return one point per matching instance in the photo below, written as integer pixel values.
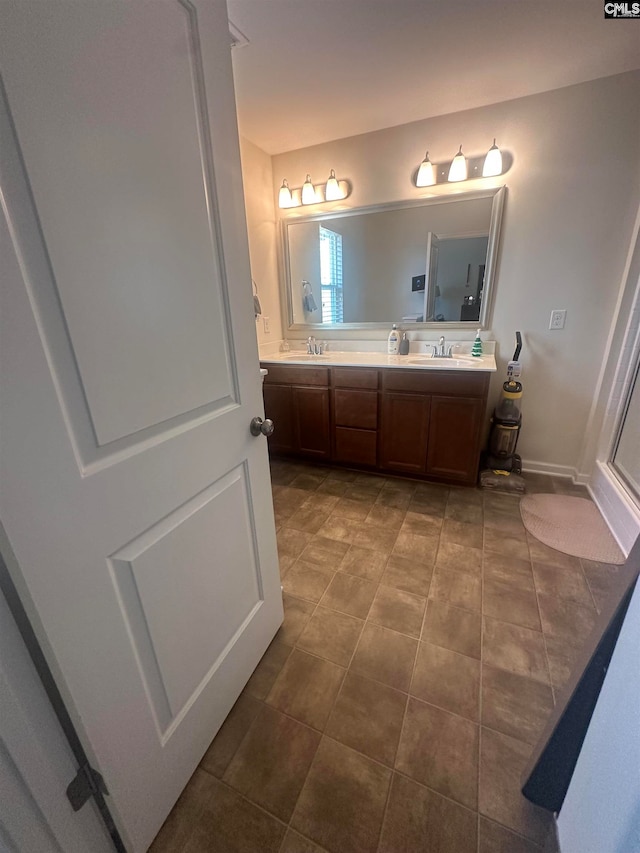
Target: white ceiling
(317, 70)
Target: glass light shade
(492, 162)
(308, 192)
(458, 170)
(426, 176)
(332, 191)
(284, 196)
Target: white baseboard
(618, 510)
(582, 479)
(535, 467)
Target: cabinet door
(311, 419)
(405, 428)
(358, 446)
(454, 438)
(278, 405)
(357, 409)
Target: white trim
(623, 376)
(588, 451)
(618, 509)
(533, 466)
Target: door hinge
(86, 784)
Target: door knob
(258, 426)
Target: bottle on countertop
(403, 349)
(393, 340)
(476, 349)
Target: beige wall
(572, 198)
(262, 228)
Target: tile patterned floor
(425, 638)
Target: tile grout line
(480, 682)
(544, 635)
(586, 580)
(247, 800)
(406, 708)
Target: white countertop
(378, 359)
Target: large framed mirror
(424, 263)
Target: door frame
(620, 510)
(35, 703)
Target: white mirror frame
(495, 225)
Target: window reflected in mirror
(330, 243)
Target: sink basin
(303, 356)
(434, 361)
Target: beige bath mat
(571, 525)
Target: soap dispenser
(476, 349)
(392, 341)
(404, 345)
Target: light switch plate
(266, 324)
(558, 317)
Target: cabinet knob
(261, 427)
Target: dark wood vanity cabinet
(404, 432)
(455, 432)
(432, 423)
(311, 422)
(354, 395)
(297, 401)
(278, 405)
(413, 422)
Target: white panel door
(133, 494)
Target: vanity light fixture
(284, 196)
(332, 191)
(309, 192)
(461, 168)
(458, 170)
(493, 162)
(336, 189)
(426, 173)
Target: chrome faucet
(312, 347)
(440, 351)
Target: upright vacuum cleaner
(502, 462)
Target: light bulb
(284, 196)
(426, 176)
(308, 192)
(332, 191)
(458, 170)
(492, 162)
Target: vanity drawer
(355, 408)
(355, 377)
(288, 374)
(436, 382)
(357, 446)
